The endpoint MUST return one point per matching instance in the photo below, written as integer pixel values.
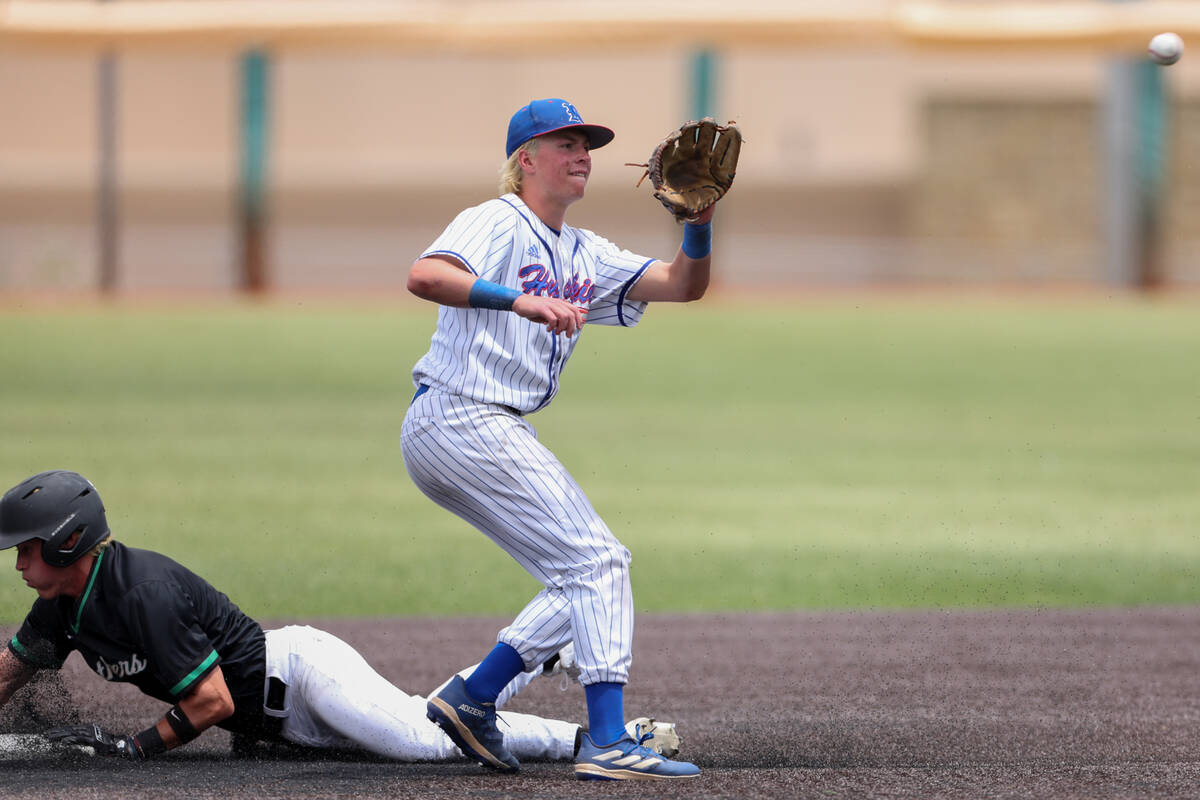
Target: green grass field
(837, 454)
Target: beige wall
(373, 150)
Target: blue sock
(606, 712)
(494, 673)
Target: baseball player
(515, 284)
(138, 617)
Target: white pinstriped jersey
(497, 356)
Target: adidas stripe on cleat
(626, 760)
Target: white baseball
(1166, 48)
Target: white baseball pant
(336, 700)
(484, 463)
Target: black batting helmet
(52, 506)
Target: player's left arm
(205, 705)
(679, 281)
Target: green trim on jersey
(20, 648)
(22, 652)
(87, 591)
(191, 676)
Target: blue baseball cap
(546, 116)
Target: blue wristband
(485, 294)
(697, 240)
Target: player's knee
(613, 559)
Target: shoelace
(637, 731)
(564, 676)
(490, 712)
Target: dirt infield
(1048, 703)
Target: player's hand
(556, 314)
(103, 742)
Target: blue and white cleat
(626, 760)
(471, 725)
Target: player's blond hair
(510, 173)
(103, 543)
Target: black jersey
(145, 619)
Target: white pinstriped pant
(485, 464)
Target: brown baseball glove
(694, 166)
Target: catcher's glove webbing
(694, 166)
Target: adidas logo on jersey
(122, 669)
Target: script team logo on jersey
(539, 281)
(121, 669)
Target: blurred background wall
(864, 163)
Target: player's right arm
(441, 280)
(447, 282)
(40, 643)
(14, 673)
